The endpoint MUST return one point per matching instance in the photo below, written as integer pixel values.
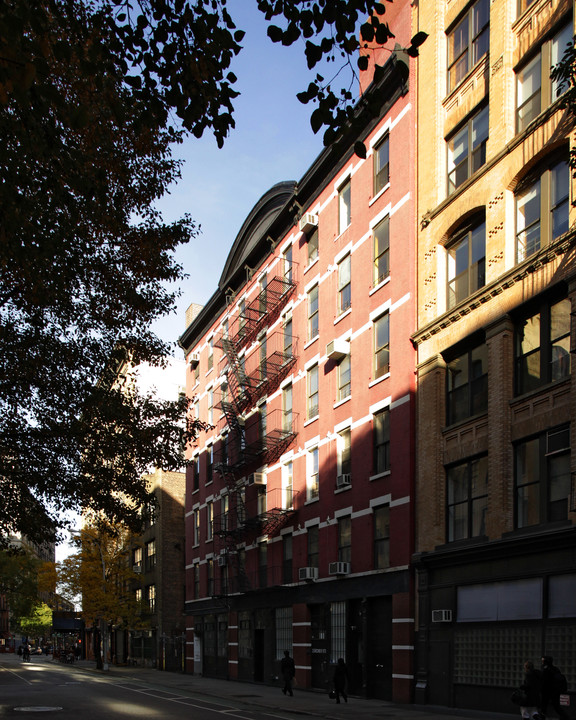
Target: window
(345, 539)
(137, 559)
(210, 577)
(467, 150)
(542, 206)
(542, 346)
(210, 406)
(196, 473)
(197, 410)
(466, 264)
(242, 319)
(313, 246)
(209, 463)
(225, 510)
(381, 250)
(288, 349)
(468, 42)
(381, 441)
(313, 546)
(542, 472)
(210, 353)
(196, 373)
(262, 564)
(196, 581)
(209, 521)
(288, 485)
(344, 284)
(312, 407)
(467, 495)
(261, 505)
(262, 422)
(196, 527)
(467, 379)
(312, 478)
(263, 365)
(288, 265)
(287, 407)
(344, 454)
(151, 597)
(381, 526)
(344, 215)
(287, 559)
(535, 91)
(150, 555)
(284, 624)
(381, 346)
(262, 300)
(381, 165)
(344, 378)
(313, 313)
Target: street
(41, 686)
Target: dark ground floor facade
(367, 620)
(484, 609)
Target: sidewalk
(305, 702)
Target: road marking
(3, 667)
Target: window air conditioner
(441, 616)
(339, 568)
(137, 568)
(258, 478)
(222, 561)
(308, 222)
(308, 574)
(343, 480)
(194, 360)
(337, 349)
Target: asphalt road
(40, 689)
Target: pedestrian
(553, 685)
(340, 680)
(288, 670)
(531, 686)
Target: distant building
(299, 513)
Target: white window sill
(311, 265)
(380, 285)
(342, 489)
(342, 316)
(309, 422)
(311, 341)
(312, 500)
(341, 402)
(379, 194)
(379, 380)
(386, 473)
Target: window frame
(475, 386)
(469, 501)
(475, 273)
(381, 441)
(381, 540)
(312, 246)
(344, 452)
(384, 349)
(345, 539)
(381, 251)
(381, 164)
(469, 47)
(344, 373)
(475, 156)
(344, 206)
(312, 392)
(345, 283)
(313, 300)
(313, 473)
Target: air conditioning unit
(309, 574)
(258, 478)
(344, 480)
(137, 568)
(439, 616)
(339, 568)
(337, 349)
(222, 561)
(308, 222)
(194, 360)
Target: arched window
(466, 257)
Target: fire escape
(254, 437)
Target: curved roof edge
(254, 228)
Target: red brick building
(299, 501)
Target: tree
(93, 96)
(19, 570)
(101, 574)
(38, 623)
(564, 74)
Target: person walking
(531, 686)
(553, 685)
(340, 679)
(288, 670)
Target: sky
(272, 142)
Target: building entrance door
(379, 661)
(259, 655)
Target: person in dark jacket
(553, 685)
(288, 670)
(340, 679)
(531, 685)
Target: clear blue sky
(272, 142)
